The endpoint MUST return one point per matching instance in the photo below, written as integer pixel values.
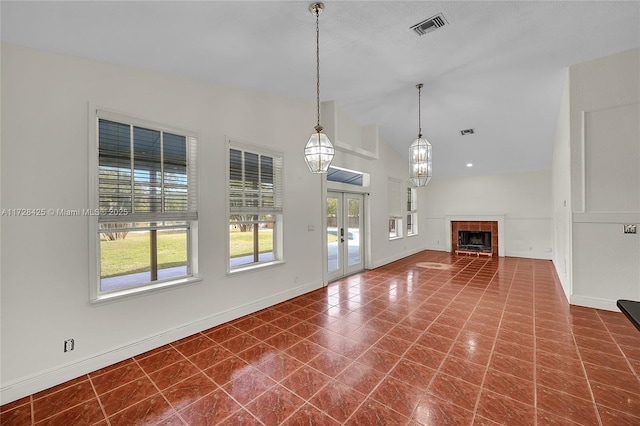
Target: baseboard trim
(592, 302)
(23, 387)
(390, 259)
(530, 255)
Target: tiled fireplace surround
(475, 225)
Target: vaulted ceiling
(497, 67)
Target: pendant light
(420, 154)
(319, 151)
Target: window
(412, 211)
(146, 206)
(395, 208)
(255, 206)
(340, 175)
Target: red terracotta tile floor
(485, 341)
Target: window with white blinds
(255, 188)
(148, 173)
(255, 182)
(146, 198)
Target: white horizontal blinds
(395, 198)
(176, 188)
(147, 172)
(255, 183)
(114, 172)
(192, 176)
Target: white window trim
(278, 241)
(96, 296)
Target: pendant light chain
(419, 86)
(318, 64)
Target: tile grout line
(535, 352)
(421, 334)
(33, 414)
(624, 355)
(425, 331)
(158, 389)
(308, 401)
(586, 376)
(104, 413)
(495, 341)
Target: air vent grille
(430, 24)
(467, 132)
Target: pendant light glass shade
(420, 153)
(318, 153)
(420, 162)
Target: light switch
(630, 229)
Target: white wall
(605, 179)
(524, 199)
(561, 187)
(45, 262)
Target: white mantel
(471, 218)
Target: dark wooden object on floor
(631, 309)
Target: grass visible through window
(131, 255)
(241, 243)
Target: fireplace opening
(474, 240)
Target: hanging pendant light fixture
(319, 152)
(420, 154)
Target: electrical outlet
(69, 344)
(630, 229)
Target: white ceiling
(497, 67)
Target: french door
(345, 234)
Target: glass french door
(345, 234)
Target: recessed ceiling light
(469, 164)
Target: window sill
(394, 238)
(254, 267)
(412, 235)
(138, 291)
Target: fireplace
(474, 240)
(476, 237)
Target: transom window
(255, 206)
(147, 205)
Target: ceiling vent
(430, 24)
(467, 132)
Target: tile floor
(466, 341)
